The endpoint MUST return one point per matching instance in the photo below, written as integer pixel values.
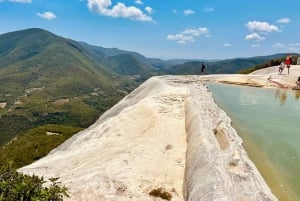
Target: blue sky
(166, 29)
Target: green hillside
(47, 79)
(126, 64)
(113, 58)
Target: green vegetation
(56, 85)
(38, 70)
(35, 143)
(126, 64)
(39, 109)
(273, 62)
(17, 186)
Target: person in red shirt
(288, 62)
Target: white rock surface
(267, 77)
(168, 133)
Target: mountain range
(48, 80)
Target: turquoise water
(268, 120)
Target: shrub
(17, 186)
(161, 193)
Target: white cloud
(102, 7)
(227, 45)
(47, 15)
(180, 38)
(278, 46)
(284, 20)
(149, 10)
(254, 36)
(261, 26)
(291, 47)
(208, 9)
(138, 2)
(255, 45)
(294, 47)
(188, 12)
(195, 32)
(188, 35)
(21, 1)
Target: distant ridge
(222, 66)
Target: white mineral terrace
(168, 134)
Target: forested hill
(47, 79)
(52, 87)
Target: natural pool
(268, 120)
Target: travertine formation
(168, 135)
(267, 77)
(217, 166)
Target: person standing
(288, 62)
(202, 68)
(298, 82)
(281, 67)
